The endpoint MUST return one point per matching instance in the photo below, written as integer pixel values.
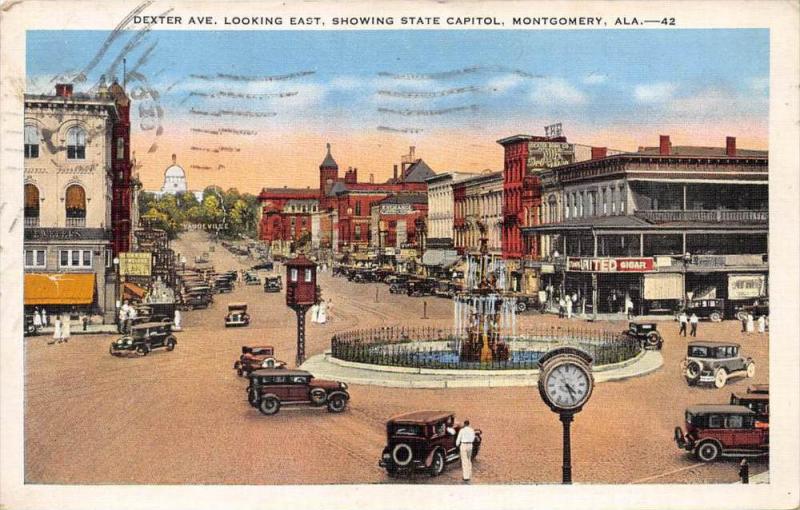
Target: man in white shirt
(464, 440)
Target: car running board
(742, 453)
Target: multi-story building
(77, 198)
(286, 216)
(478, 212)
(658, 226)
(399, 221)
(440, 247)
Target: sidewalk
(759, 478)
(325, 367)
(619, 317)
(77, 329)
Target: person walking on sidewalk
(569, 307)
(693, 320)
(37, 320)
(561, 307)
(56, 331)
(750, 324)
(682, 320)
(65, 328)
(762, 324)
(464, 440)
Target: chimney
(411, 152)
(372, 178)
(730, 146)
(395, 173)
(63, 89)
(599, 152)
(664, 147)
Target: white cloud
(556, 90)
(654, 92)
(717, 103)
(505, 83)
(595, 79)
(760, 84)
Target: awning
(133, 291)
(59, 288)
(663, 286)
(443, 258)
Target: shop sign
(550, 154)
(746, 286)
(135, 263)
(396, 209)
(611, 265)
(708, 260)
(408, 253)
(548, 268)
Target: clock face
(567, 385)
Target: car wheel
(111, 350)
(720, 377)
(654, 340)
(437, 464)
(393, 289)
(751, 369)
(337, 404)
(142, 350)
(715, 317)
(402, 454)
(170, 344)
(693, 369)
(522, 306)
(707, 451)
(269, 406)
(252, 396)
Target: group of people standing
(62, 324)
(320, 311)
(749, 323)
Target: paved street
(182, 416)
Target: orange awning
(131, 290)
(59, 288)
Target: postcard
(399, 254)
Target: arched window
(31, 206)
(31, 142)
(621, 199)
(76, 143)
(75, 204)
(358, 208)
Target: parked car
(194, 300)
(252, 278)
(201, 259)
(715, 362)
(30, 328)
(647, 334)
(273, 284)
(398, 284)
(145, 337)
(711, 309)
(444, 288)
(271, 388)
(714, 431)
(757, 402)
(256, 357)
(237, 315)
(525, 302)
(758, 308)
(422, 440)
(223, 286)
(366, 275)
(420, 286)
(264, 266)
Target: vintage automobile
(758, 308)
(398, 284)
(420, 286)
(711, 309)
(30, 327)
(525, 302)
(201, 259)
(252, 278)
(646, 333)
(757, 402)
(271, 388)
(365, 275)
(256, 357)
(145, 337)
(194, 300)
(264, 266)
(223, 285)
(445, 288)
(422, 440)
(714, 430)
(715, 362)
(273, 284)
(237, 315)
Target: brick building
(399, 221)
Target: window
(76, 143)
(75, 204)
(31, 142)
(294, 275)
(120, 148)
(358, 232)
(358, 208)
(735, 422)
(604, 194)
(714, 421)
(31, 205)
(308, 275)
(75, 258)
(35, 258)
(621, 200)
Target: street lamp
(687, 257)
(116, 291)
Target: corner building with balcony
(77, 198)
(658, 226)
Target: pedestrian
(464, 440)
(744, 322)
(693, 320)
(682, 320)
(84, 321)
(744, 471)
(56, 331)
(177, 321)
(37, 319)
(561, 307)
(629, 307)
(322, 314)
(750, 324)
(66, 328)
(569, 307)
(762, 324)
(614, 304)
(315, 312)
(45, 322)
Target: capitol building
(175, 181)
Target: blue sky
(414, 83)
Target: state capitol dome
(174, 179)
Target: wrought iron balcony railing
(705, 216)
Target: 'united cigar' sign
(611, 265)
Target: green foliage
(230, 213)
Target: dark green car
(143, 338)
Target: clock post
(565, 385)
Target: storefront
(61, 292)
